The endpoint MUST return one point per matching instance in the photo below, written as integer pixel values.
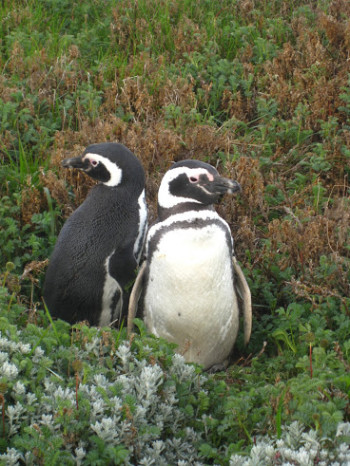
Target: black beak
(222, 185)
(76, 162)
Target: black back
(106, 224)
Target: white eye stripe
(165, 198)
(113, 169)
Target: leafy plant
(87, 395)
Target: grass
(259, 89)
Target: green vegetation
(259, 89)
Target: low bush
(80, 395)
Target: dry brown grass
(311, 69)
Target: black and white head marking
(109, 163)
(194, 182)
(103, 169)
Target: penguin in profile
(190, 278)
(97, 252)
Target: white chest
(190, 297)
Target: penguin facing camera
(99, 247)
(190, 278)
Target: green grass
(259, 89)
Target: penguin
(95, 259)
(190, 282)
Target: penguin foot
(222, 366)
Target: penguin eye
(194, 179)
(94, 163)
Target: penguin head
(110, 163)
(193, 182)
